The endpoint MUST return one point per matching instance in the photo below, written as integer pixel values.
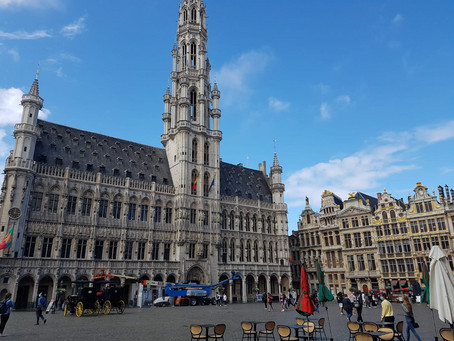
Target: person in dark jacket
(40, 306)
(4, 317)
(347, 305)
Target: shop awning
(394, 282)
(403, 281)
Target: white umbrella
(441, 285)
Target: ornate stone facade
(86, 201)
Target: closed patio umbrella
(304, 306)
(441, 285)
(425, 297)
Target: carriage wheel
(65, 311)
(106, 307)
(121, 307)
(79, 309)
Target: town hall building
(78, 201)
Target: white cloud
(14, 54)
(233, 78)
(23, 35)
(323, 88)
(4, 147)
(343, 99)
(277, 105)
(76, 28)
(397, 19)
(433, 134)
(28, 4)
(10, 108)
(325, 113)
(360, 171)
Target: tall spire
(34, 90)
(275, 160)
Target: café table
(255, 323)
(207, 328)
(376, 335)
(297, 327)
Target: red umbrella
(304, 306)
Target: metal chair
(353, 328)
(321, 327)
(446, 334)
(363, 337)
(370, 327)
(300, 321)
(248, 331)
(388, 336)
(309, 331)
(196, 332)
(219, 331)
(268, 333)
(284, 333)
(398, 334)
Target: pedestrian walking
(347, 306)
(409, 317)
(218, 300)
(358, 303)
(270, 302)
(41, 305)
(340, 298)
(281, 300)
(265, 300)
(387, 312)
(224, 298)
(5, 310)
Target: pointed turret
(277, 187)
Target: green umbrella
(425, 297)
(323, 292)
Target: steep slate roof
(364, 197)
(244, 182)
(64, 146)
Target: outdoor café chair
(300, 321)
(285, 332)
(196, 332)
(389, 334)
(398, 334)
(219, 331)
(446, 334)
(370, 327)
(248, 331)
(363, 337)
(268, 333)
(309, 330)
(353, 328)
(321, 327)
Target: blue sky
(358, 94)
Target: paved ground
(172, 323)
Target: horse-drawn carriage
(90, 300)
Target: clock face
(14, 213)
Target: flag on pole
(212, 184)
(7, 242)
(195, 183)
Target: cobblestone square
(172, 323)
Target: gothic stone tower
(191, 133)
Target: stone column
(244, 292)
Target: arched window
(194, 179)
(193, 98)
(308, 219)
(269, 224)
(385, 217)
(393, 216)
(224, 251)
(256, 252)
(185, 16)
(271, 253)
(206, 184)
(248, 222)
(194, 15)
(194, 150)
(224, 220)
(264, 252)
(241, 251)
(263, 224)
(185, 55)
(254, 223)
(248, 251)
(232, 220)
(193, 55)
(206, 154)
(232, 250)
(240, 225)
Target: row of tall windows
(355, 222)
(429, 225)
(248, 252)
(80, 249)
(247, 223)
(206, 151)
(360, 263)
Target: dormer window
(116, 172)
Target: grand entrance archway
(195, 275)
(24, 297)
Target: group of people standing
(356, 301)
(221, 299)
(267, 299)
